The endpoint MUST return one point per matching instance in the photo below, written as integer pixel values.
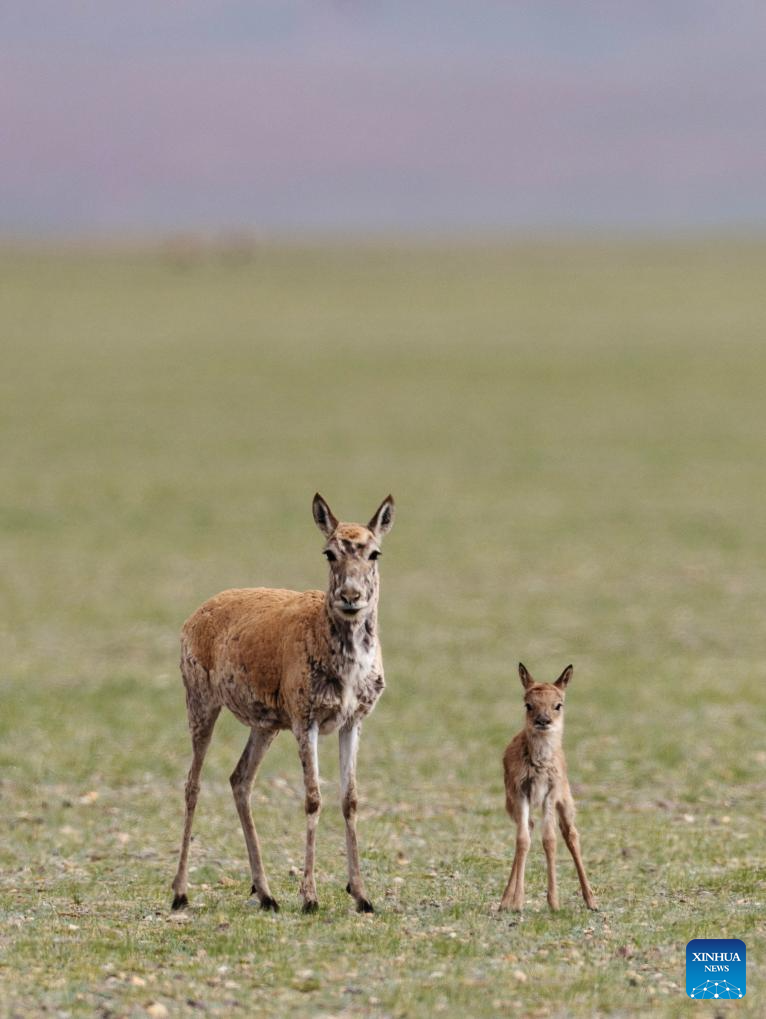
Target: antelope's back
(246, 634)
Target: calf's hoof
(179, 902)
(310, 906)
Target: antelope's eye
(374, 555)
(331, 557)
(558, 707)
(528, 707)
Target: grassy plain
(575, 435)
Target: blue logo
(715, 968)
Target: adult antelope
(307, 661)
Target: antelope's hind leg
(241, 780)
(566, 811)
(202, 719)
(505, 902)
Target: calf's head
(544, 702)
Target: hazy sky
(157, 115)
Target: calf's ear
(526, 679)
(563, 681)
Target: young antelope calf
(307, 661)
(536, 776)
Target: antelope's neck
(352, 643)
(543, 747)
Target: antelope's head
(544, 702)
(352, 552)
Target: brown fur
(536, 776)
(305, 661)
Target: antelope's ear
(382, 519)
(324, 517)
(563, 681)
(526, 679)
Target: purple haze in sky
(419, 116)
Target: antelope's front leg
(549, 845)
(348, 741)
(307, 748)
(513, 896)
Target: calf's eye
(374, 555)
(528, 707)
(558, 707)
(331, 557)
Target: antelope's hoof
(348, 888)
(364, 906)
(310, 906)
(179, 902)
(262, 901)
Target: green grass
(575, 437)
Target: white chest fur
(355, 671)
(349, 686)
